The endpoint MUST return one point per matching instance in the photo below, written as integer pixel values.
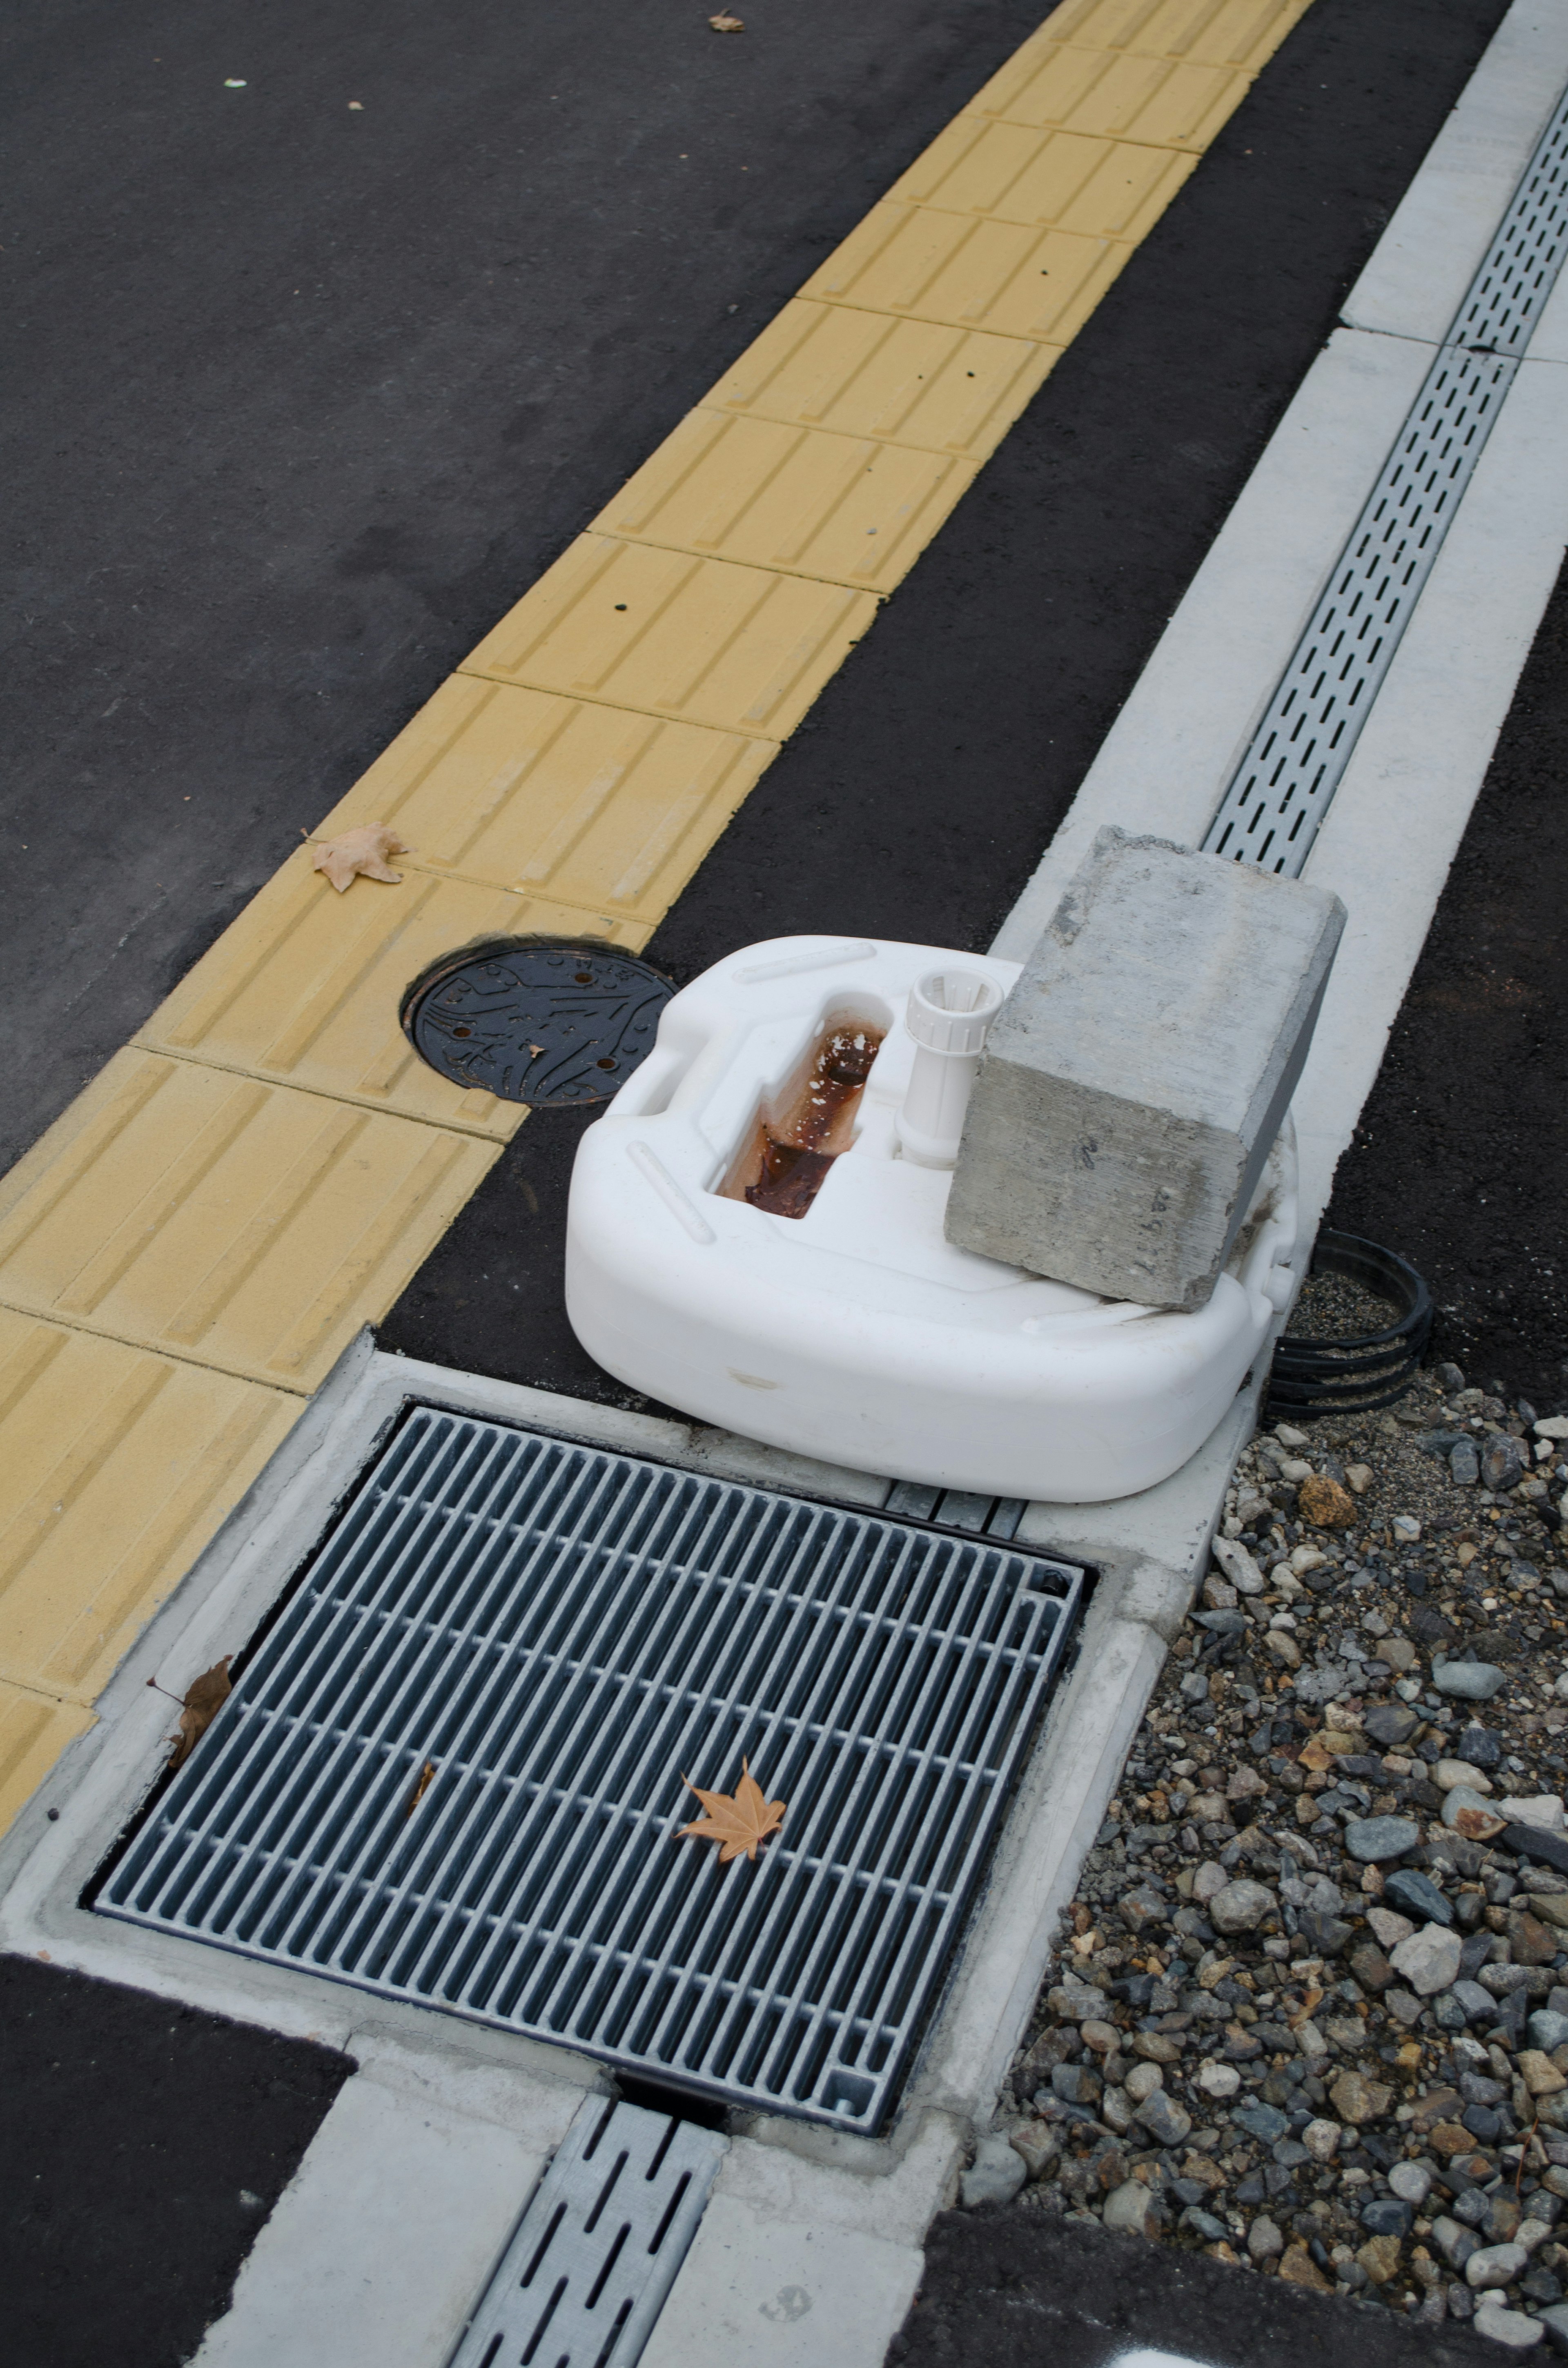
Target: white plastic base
(857, 1333)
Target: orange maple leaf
(739, 1823)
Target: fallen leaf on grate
(738, 1823)
(427, 1778)
(364, 850)
(204, 1698)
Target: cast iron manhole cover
(536, 1019)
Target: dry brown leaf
(363, 850)
(204, 1698)
(1308, 2007)
(728, 23)
(739, 1824)
(427, 1778)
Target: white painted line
(1413, 284)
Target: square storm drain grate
(451, 1772)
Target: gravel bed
(1309, 2011)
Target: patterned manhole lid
(536, 1019)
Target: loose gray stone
(1414, 1893)
(1260, 2121)
(1411, 2181)
(1036, 2144)
(1496, 2265)
(1475, 2001)
(1166, 2121)
(1461, 1797)
(1138, 1072)
(1375, 1840)
(1554, 2318)
(1264, 2239)
(1509, 2326)
(1503, 1465)
(1428, 1960)
(1465, 1464)
(1243, 1904)
(1547, 2029)
(1127, 2207)
(1469, 1680)
(995, 2175)
(1458, 2242)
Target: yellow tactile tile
(116, 1468)
(603, 810)
(304, 988)
(976, 274)
(916, 383)
(34, 1731)
(1160, 101)
(843, 508)
(701, 640)
(1058, 180)
(1244, 33)
(216, 1217)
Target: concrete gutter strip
(1395, 826)
(1396, 823)
(390, 2229)
(1425, 259)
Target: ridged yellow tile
(601, 809)
(987, 275)
(702, 640)
(34, 1731)
(915, 383)
(1060, 180)
(1160, 101)
(304, 988)
(116, 1467)
(246, 1225)
(1243, 33)
(755, 490)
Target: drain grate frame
(1276, 800)
(557, 1631)
(596, 2251)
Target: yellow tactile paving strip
(187, 1251)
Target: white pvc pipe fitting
(948, 1014)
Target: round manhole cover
(536, 1019)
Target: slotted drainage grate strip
(1274, 806)
(451, 1770)
(596, 2251)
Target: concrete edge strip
(805, 606)
(1396, 824)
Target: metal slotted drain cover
(1275, 804)
(596, 2251)
(451, 1769)
(536, 1020)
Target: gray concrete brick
(1138, 1072)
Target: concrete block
(1139, 1071)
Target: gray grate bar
(451, 1772)
(1275, 804)
(596, 2251)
